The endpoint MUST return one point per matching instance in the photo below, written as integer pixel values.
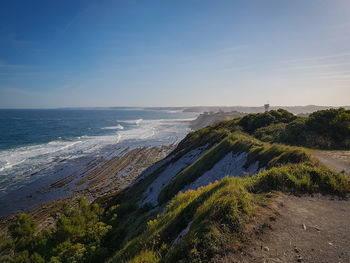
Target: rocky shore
(99, 177)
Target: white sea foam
(23, 165)
(118, 127)
(138, 121)
(9, 165)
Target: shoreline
(89, 178)
(101, 177)
(105, 169)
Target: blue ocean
(33, 141)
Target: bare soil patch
(308, 229)
(338, 160)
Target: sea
(35, 143)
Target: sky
(174, 53)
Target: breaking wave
(22, 165)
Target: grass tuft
(301, 178)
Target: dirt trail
(309, 229)
(338, 160)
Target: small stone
(317, 229)
(266, 248)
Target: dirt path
(338, 160)
(309, 229)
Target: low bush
(252, 122)
(76, 237)
(325, 129)
(271, 133)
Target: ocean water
(34, 142)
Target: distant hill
(208, 118)
(246, 109)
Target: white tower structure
(267, 106)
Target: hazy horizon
(165, 107)
(171, 54)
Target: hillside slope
(204, 201)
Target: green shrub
(271, 133)
(333, 123)
(76, 237)
(325, 129)
(252, 122)
(22, 232)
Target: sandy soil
(309, 229)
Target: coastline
(89, 178)
(104, 171)
(100, 177)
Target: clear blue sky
(174, 53)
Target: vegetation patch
(266, 154)
(252, 122)
(218, 216)
(207, 136)
(217, 212)
(301, 178)
(76, 237)
(326, 129)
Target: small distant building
(267, 106)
